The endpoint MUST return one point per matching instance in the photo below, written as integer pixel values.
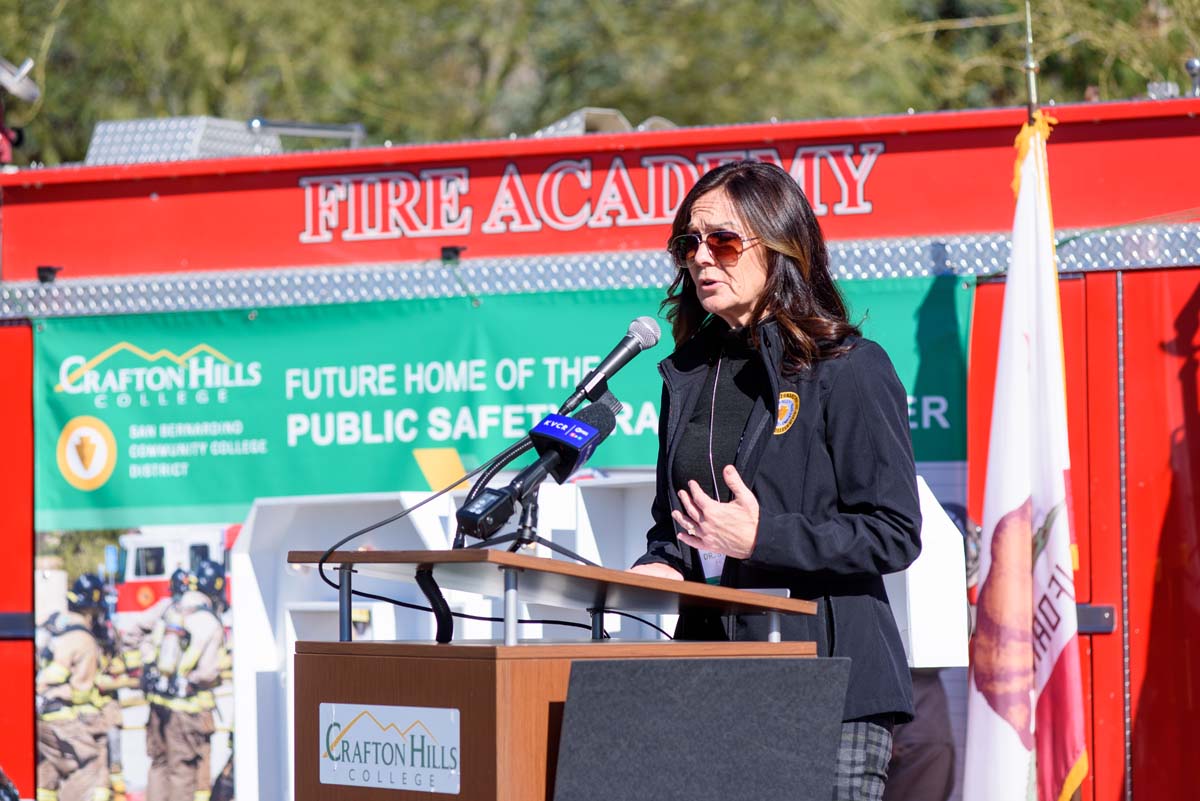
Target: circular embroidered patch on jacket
(789, 404)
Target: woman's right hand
(658, 570)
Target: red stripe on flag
(1061, 748)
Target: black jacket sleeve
(661, 544)
(876, 526)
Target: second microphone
(563, 444)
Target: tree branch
(939, 25)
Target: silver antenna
(1031, 65)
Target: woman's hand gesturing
(728, 528)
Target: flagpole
(1031, 65)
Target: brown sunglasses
(725, 246)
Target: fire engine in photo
(149, 555)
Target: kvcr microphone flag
(563, 445)
(572, 439)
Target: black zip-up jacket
(828, 455)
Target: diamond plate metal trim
(982, 255)
(175, 139)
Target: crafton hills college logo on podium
(391, 747)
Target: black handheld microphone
(643, 333)
(563, 445)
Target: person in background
(116, 672)
(784, 452)
(187, 667)
(923, 756)
(138, 630)
(922, 766)
(69, 763)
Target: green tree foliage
(438, 70)
(77, 552)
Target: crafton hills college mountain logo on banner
(87, 453)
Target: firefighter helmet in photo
(86, 593)
(210, 579)
(179, 582)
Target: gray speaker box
(700, 729)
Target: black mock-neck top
(710, 439)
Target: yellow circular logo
(789, 404)
(87, 453)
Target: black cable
(398, 516)
(497, 463)
(489, 471)
(507, 455)
(465, 616)
(641, 620)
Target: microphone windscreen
(646, 331)
(599, 417)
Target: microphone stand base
(526, 532)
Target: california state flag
(1025, 706)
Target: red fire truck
(149, 555)
(918, 194)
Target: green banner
(924, 324)
(187, 418)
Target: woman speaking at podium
(784, 453)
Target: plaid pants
(862, 761)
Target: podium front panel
(509, 702)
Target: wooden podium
(503, 702)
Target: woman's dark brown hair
(799, 294)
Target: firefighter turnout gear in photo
(187, 667)
(117, 667)
(70, 765)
